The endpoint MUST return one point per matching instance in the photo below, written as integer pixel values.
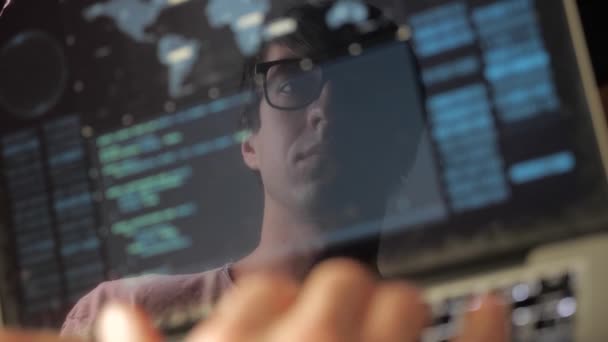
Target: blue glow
(517, 64)
(346, 12)
(539, 168)
(66, 157)
(132, 17)
(230, 12)
(460, 96)
(498, 25)
(179, 68)
(459, 114)
(11, 149)
(169, 120)
(441, 29)
(479, 199)
(71, 202)
(158, 240)
(488, 183)
(477, 169)
(437, 13)
(463, 127)
(497, 11)
(137, 165)
(503, 53)
(460, 111)
(473, 153)
(447, 71)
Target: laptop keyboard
(543, 309)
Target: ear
(249, 152)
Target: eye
(286, 87)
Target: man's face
(294, 150)
(339, 152)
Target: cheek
(278, 131)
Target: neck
(292, 242)
(287, 244)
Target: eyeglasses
(290, 84)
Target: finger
(249, 309)
(38, 336)
(397, 313)
(119, 322)
(487, 321)
(331, 305)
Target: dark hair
(315, 39)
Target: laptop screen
(181, 136)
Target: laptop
(473, 129)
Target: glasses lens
(290, 87)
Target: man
(331, 137)
(328, 148)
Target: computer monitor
(498, 142)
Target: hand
(340, 301)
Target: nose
(318, 112)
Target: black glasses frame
(261, 70)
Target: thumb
(120, 322)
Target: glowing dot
(103, 51)
(87, 131)
(181, 54)
(249, 20)
(214, 93)
(566, 307)
(404, 33)
(259, 79)
(70, 40)
(169, 106)
(520, 292)
(280, 27)
(306, 64)
(78, 86)
(176, 2)
(355, 49)
(243, 135)
(127, 119)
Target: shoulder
(153, 293)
